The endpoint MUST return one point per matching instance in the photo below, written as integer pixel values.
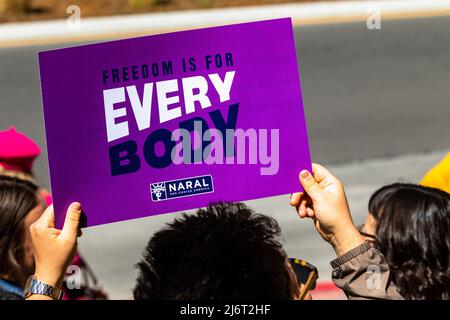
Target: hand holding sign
(324, 201)
(54, 249)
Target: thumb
(72, 221)
(310, 185)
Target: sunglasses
(306, 273)
(370, 237)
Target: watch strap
(35, 286)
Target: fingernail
(75, 206)
(304, 174)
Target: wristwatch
(34, 286)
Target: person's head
(225, 251)
(413, 233)
(20, 206)
(22, 175)
(375, 203)
(17, 153)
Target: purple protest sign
(171, 122)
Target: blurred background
(27, 10)
(375, 80)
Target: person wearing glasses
(410, 225)
(402, 253)
(223, 252)
(229, 252)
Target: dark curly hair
(413, 233)
(17, 198)
(223, 252)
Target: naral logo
(181, 188)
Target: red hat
(17, 151)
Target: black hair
(377, 199)
(225, 251)
(413, 233)
(17, 198)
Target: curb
(60, 31)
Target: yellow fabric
(439, 176)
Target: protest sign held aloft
(170, 122)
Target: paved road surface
(377, 105)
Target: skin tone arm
(54, 249)
(324, 201)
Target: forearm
(346, 240)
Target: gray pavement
(377, 105)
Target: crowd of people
(227, 251)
